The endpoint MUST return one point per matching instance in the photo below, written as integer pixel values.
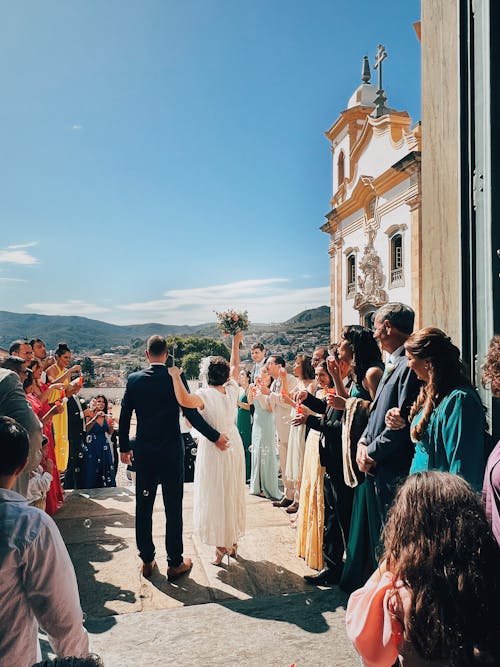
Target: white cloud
(70, 307)
(267, 300)
(22, 245)
(13, 256)
(77, 127)
(13, 280)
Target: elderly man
(384, 455)
(319, 355)
(21, 348)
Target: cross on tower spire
(381, 99)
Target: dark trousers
(338, 507)
(151, 471)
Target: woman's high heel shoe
(219, 556)
(234, 551)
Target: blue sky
(164, 159)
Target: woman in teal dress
(448, 421)
(244, 417)
(264, 459)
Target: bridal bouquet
(231, 322)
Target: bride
(219, 478)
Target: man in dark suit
(158, 455)
(76, 437)
(385, 455)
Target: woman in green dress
(244, 417)
(448, 421)
(360, 352)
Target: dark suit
(76, 437)
(337, 495)
(158, 455)
(391, 450)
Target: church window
(351, 275)
(396, 250)
(371, 208)
(341, 169)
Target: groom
(158, 455)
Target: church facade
(374, 222)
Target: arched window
(396, 250)
(340, 169)
(351, 275)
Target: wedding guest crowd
(367, 426)
(379, 464)
(66, 447)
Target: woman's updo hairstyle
(62, 348)
(218, 371)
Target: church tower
(375, 217)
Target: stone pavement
(258, 611)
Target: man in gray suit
(385, 455)
(13, 404)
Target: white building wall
(342, 144)
(379, 155)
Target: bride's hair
(214, 371)
(218, 371)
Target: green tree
(132, 369)
(189, 351)
(191, 364)
(88, 371)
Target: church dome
(364, 96)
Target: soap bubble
(194, 451)
(87, 523)
(145, 493)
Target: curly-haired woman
(448, 421)
(491, 485)
(435, 598)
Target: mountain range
(82, 333)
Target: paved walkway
(258, 611)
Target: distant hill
(82, 333)
(313, 317)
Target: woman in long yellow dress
(61, 371)
(311, 515)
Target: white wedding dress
(219, 479)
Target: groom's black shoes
(326, 577)
(148, 569)
(284, 502)
(174, 572)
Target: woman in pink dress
(37, 393)
(434, 601)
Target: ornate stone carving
(372, 280)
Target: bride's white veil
(204, 364)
